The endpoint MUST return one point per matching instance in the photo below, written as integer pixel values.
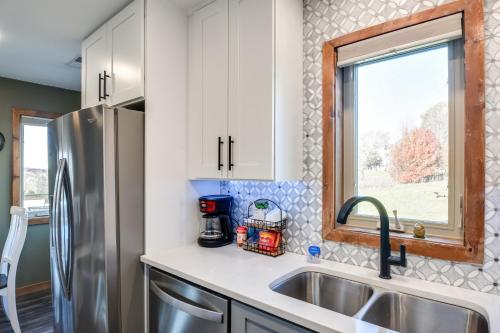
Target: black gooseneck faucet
(386, 260)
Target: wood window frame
(17, 114)
(471, 248)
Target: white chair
(8, 263)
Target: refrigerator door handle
(69, 222)
(55, 202)
(55, 224)
(190, 309)
(61, 269)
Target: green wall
(34, 264)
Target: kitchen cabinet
(245, 319)
(208, 84)
(94, 63)
(245, 90)
(113, 59)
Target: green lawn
(416, 200)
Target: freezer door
(60, 250)
(83, 141)
(77, 229)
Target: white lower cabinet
(245, 90)
(245, 319)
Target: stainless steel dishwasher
(176, 306)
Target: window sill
(38, 220)
(438, 230)
(431, 246)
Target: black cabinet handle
(230, 153)
(102, 78)
(105, 89)
(100, 87)
(219, 150)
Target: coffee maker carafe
(215, 226)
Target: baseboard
(33, 288)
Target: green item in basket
(262, 205)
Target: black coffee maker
(215, 226)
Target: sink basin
(389, 309)
(406, 313)
(330, 292)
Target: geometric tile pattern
(327, 19)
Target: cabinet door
(245, 319)
(94, 62)
(125, 33)
(251, 92)
(207, 96)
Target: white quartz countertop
(246, 277)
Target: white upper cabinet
(113, 59)
(207, 96)
(248, 91)
(126, 53)
(251, 92)
(94, 63)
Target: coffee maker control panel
(215, 204)
(207, 206)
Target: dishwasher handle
(193, 310)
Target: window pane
(35, 187)
(402, 134)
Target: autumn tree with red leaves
(415, 156)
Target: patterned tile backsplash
(327, 19)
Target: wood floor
(34, 311)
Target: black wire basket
(279, 226)
(256, 225)
(266, 250)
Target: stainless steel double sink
(393, 310)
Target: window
(403, 121)
(34, 176)
(30, 185)
(407, 155)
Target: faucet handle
(398, 260)
(397, 224)
(402, 255)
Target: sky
(392, 94)
(35, 147)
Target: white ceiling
(39, 37)
(189, 4)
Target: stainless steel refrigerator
(96, 176)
